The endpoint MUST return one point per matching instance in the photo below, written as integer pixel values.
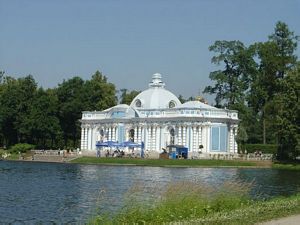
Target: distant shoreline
(168, 163)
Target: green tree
(275, 58)
(232, 82)
(26, 92)
(43, 119)
(71, 98)
(99, 93)
(127, 97)
(15, 100)
(287, 120)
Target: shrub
(267, 148)
(21, 147)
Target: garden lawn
(165, 162)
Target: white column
(90, 138)
(234, 141)
(180, 135)
(194, 140)
(157, 148)
(188, 137)
(139, 134)
(161, 134)
(126, 134)
(204, 139)
(184, 136)
(113, 133)
(86, 138)
(94, 135)
(117, 133)
(149, 130)
(82, 138)
(199, 136)
(230, 141)
(135, 134)
(154, 138)
(142, 128)
(208, 138)
(109, 133)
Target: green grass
(191, 203)
(164, 162)
(288, 166)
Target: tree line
(261, 81)
(49, 118)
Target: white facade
(157, 118)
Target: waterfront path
(290, 220)
(51, 158)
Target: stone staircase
(51, 158)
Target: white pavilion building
(157, 118)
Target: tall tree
(16, 98)
(43, 119)
(286, 104)
(232, 82)
(70, 95)
(99, 93)
(275, 58)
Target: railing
(230, 156)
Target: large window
(219, 138)
(121, 133)
(172, 136)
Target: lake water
(48, 193)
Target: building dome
(196, 104)
(156, 96)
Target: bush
(267, 148)
(21, 147)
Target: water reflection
(67, 193)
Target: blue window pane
(121, 133)
(215, 137)
(223, 138)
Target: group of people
(116, 153)
(258, 153)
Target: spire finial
(156, 81)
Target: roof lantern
(156, 81)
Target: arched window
(131, 135)
(138, 103)
(102, 135)
(172, 136)
(172, 104)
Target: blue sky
(130, 40)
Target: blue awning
(108, 144)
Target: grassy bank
(286, 166)
(190, 203)
(164, 162)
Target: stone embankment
(50, 156)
